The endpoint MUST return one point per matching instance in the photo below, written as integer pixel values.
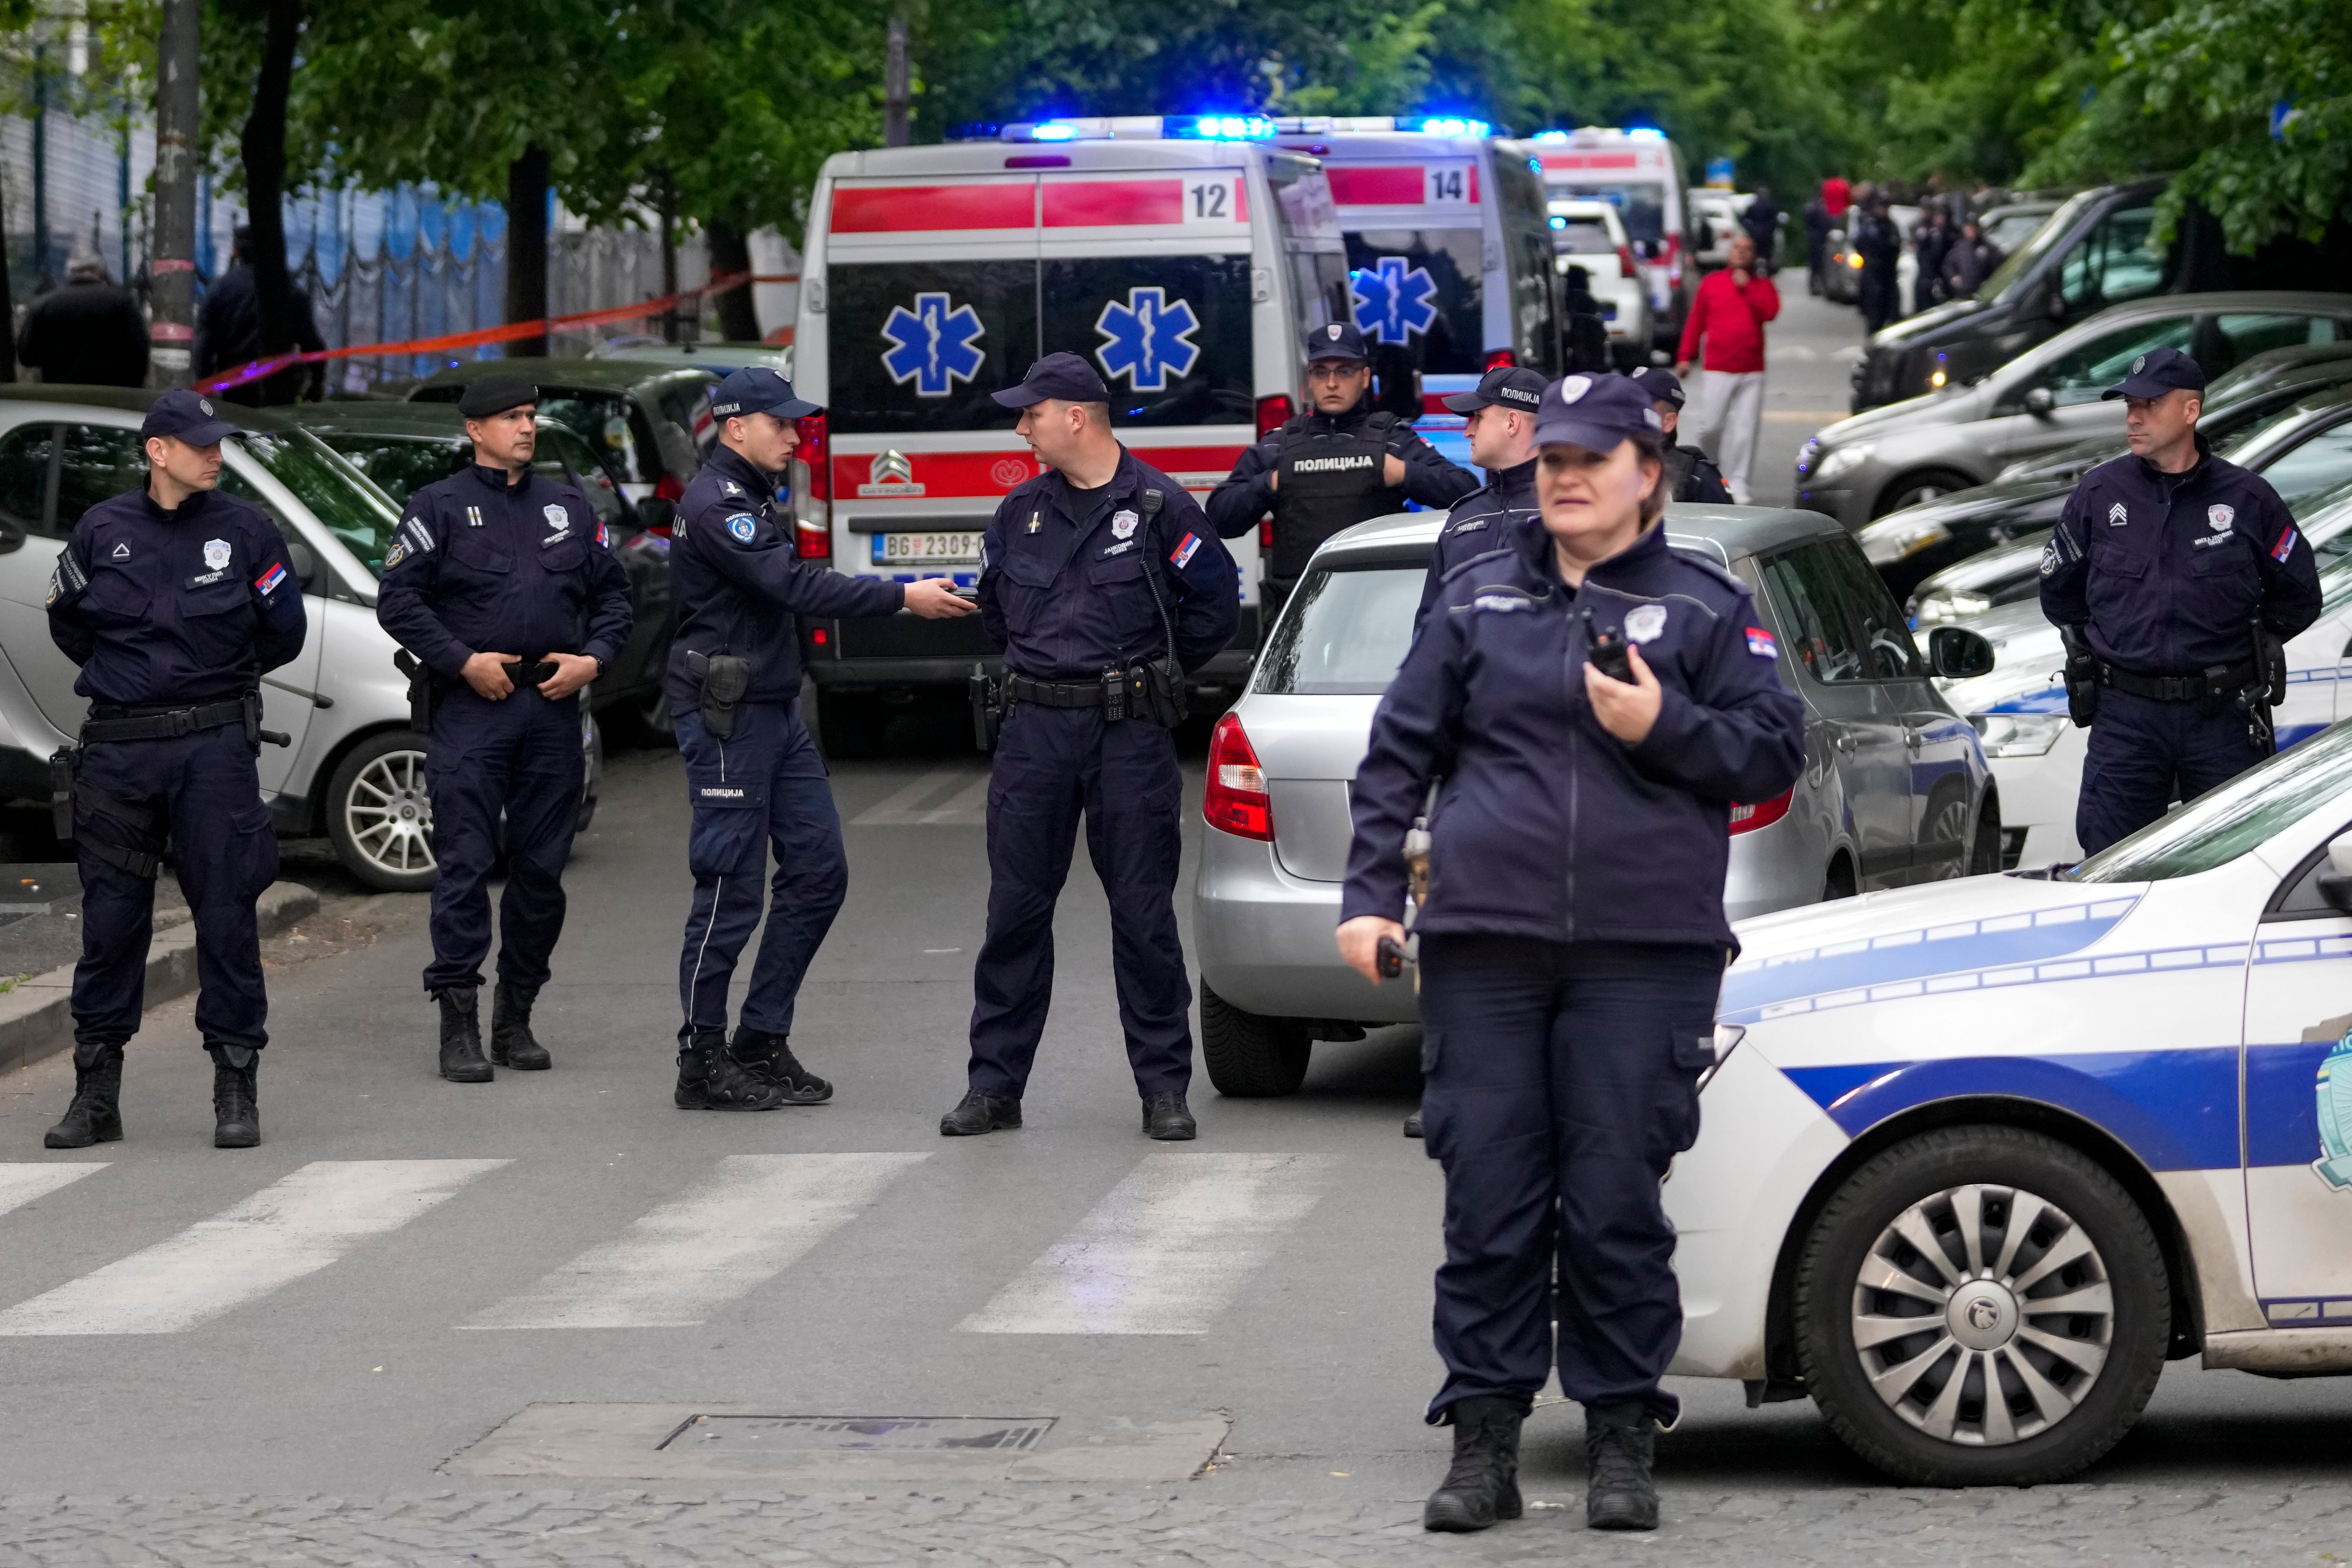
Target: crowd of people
(1953, 254)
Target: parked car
(1869, 465)
(1639, 173)
(1975, 1160)
(1842, 273)
(1718, 215)
(719, 355)
(1895, 789)
(1590, 235)
(355, 770)
(2009, 228)
(655, 419)
(401, 446)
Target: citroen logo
(891, 469)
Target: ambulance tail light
(1236, 800)
(811, 541)
(1627, 270)
(1764, 814)
(1273, 413)
(1266, 533)
(1498, 359)
(816, 452)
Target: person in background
(1691, 475)
(228, 334)
(1818, 225)
(1761, 222)
(1726, 328)
(1876, 240)
(1931, 241)
(88, 334)
(1969, 261)
(1837, 198)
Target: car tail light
(816, 452)
(669, 488)
(1625, 260)
(1749, 819)
(1236, 800)
(1497, 359)
(812, 541)
(1273, 413)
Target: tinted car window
(1641, 209)
(2241, 337)
(2114, 263)
(95, 461)
(1344, 632)
(1422, 288)
(560, 446)
(1809, 588)
(920, 345)
(1888, 652)
(686, 405)
(2084, 372)
(25, 456)
(1585, 236)
(399, 466)
(1171, 334)
(2313, 468)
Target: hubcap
(389, 816)
(1982, 1315)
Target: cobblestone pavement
(583, 1529)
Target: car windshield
(2006, 275)
(1345, 631)
(2223, 823)
(362, 516)
(1641, 208)
(1583, 236)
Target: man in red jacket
(1728, 317)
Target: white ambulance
(1639, 173)
(1184, 258)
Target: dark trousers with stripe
(519, 758)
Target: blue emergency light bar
(1217, 127)
(1445, 125)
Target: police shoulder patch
(743, 525)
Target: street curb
(37, 1019)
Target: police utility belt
(2218, 684)
(71, 795)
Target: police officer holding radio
(753, 775)
(502, 585)
(1569, 960)
(1105, 586)
(1331, 468)
(1499, 418)
(1690, 474)
(175, 600)
(2175, 577)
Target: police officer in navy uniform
(1096, 577)
(175, 600)
(753, 775)
(1690, 474)
(503, 584)
(2166, 568)
(1572, 940)
(1331, 468)
(1499, 418)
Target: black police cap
(1336, 340)
(1062, 375)
(187, 416)
(496, 394)
(1663, 385)
(1504, 386)
(2158, 372)
(1596, 412)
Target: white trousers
(1731, 411)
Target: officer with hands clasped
(2174, 576)
(753, 775)
(502, 585)
(1569, 959)
(1331, 468)
(1105, 586)
(175, 600)
(1690, 474)
(1499, 418)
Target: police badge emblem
(557, 518)
(1573, 387)
(1644, 622)
(2220, 517)
(742, 526)
(2335, 1091)
(216, 554)
(1122, 524)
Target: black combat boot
(1619, 1442)
(767, 1059)
(1484, 1484)
(237, 1097)
(1412, 1125)
(95, 1116)
(1165, 1117)
(461, 1035)
(512, 1045)
(979, 1112)
(708, 1081)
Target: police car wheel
(1250, 1056)
(379, 817)
(1981, 1306)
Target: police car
(1978, 1158)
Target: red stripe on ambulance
(896, 209)
(963, 474)
(1101, 203)
(1375, 187)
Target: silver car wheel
(389, 816)
(1982, 1315)
(1950, 825)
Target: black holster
(987, 706)
(420, 691)
(725, 678)
(1162, 697)
(2081, 678)
(63, 763)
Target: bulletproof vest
(1331, 479)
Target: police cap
(1062, 375)
(187, 415)
(755, 389)
(1504, 386)
(1663, 385)
(2158, 372)
(496, 394)
(1597, 412)
(1337, 340)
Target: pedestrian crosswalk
(1167, 1250)
(946, 797)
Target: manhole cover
(859, 1434)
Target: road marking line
(1166, 1251)
(290, 1228)
(906, 808)
(754, 1218)
(966, 808)
(20, 1184)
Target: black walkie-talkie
(1606, 649)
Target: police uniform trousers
(520, 756)
(1560, 1081)
(1052, 763)
(764, 785)
(205, 788)
(2144, 754)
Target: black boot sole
(53, 1139)
(951, 1129)
(1181, 1133)
(1630, 1516)
(541, 1062)
(484, 1073)
(1451, 1513)
(240, 1136)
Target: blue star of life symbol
(1147, 339)
(1391, 302)
(934, 344)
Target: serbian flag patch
(2284, 547)
(1760, 643)
(1186, 548)
(268, 581)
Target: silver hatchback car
(1895, 791)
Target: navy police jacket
(1068, 597)
(740, 581)
(1486, 519)
(174, 607)
(1247, 493)
(480, 565)
(2165, 572)
(1547, 825)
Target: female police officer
(1572, 936)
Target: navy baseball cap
(1338, 340)
(2158, 372)
(1663, 385)
(496, 394)
(756, 389)
(1595, 412)
(1504, 386)
(187, 415)
(1063, 375)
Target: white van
(1639, 173)
(1184, 262)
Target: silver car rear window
(1344, 631)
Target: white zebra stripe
(21, 1184)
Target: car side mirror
(2335, 883)
(2039, 402)
(656, 514)
(1958, 653)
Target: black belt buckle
(531, 672)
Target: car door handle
(1842, 741)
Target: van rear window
(1423, 289)
(1641, 208)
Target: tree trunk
(526, 247)
(739, 318)
(7, 314)
(665, 209)
(263, 149)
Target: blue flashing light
(1559, 222)
(1646, 133)
(1552, 136)
(1053, 133)
(1222, 127)
(1446, 125)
